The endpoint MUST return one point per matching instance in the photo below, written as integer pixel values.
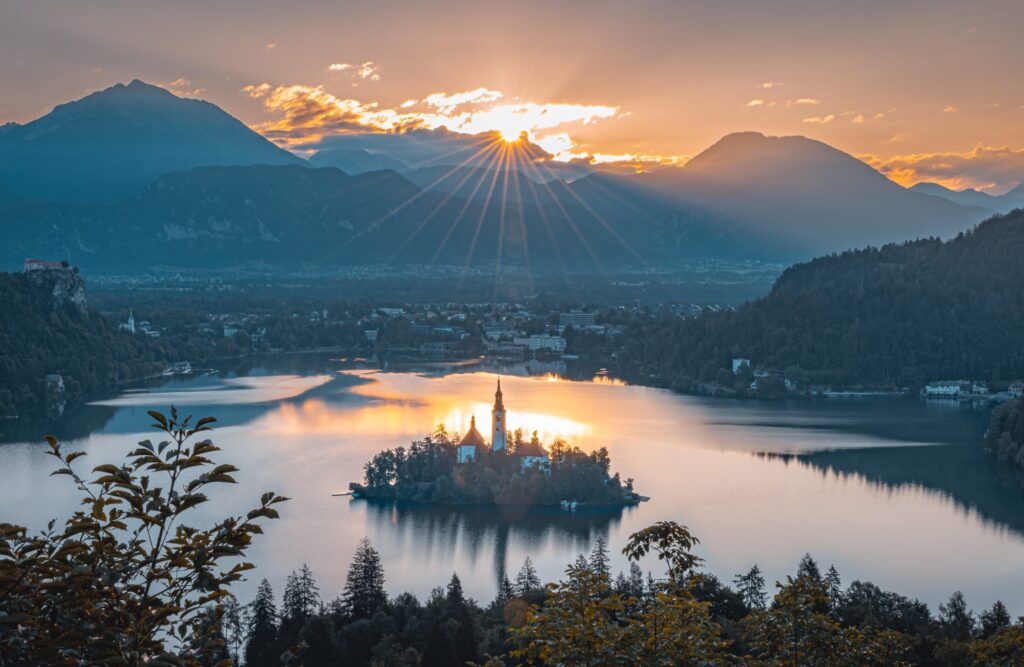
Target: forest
(128, 580)
(41, 334)
(890, 317)
(1005, 434)
(428, 472)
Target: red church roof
(472, 437)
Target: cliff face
(65, 286)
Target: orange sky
(923, 90)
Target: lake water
(895, 491)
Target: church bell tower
(499, 428)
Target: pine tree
(994, 620)
(834, 586)
(636, 580)
(261, 644)
(527, 579)
(600, 562)
(364, 593)
(301, 602)
(464, 633)
(751, 588)
(454, 595)
(505, 590)
(956, 619)
(234, 625)
(808, 568)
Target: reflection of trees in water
(472, 529)
(963, 474)
(76, 423)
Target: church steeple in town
(499, 439)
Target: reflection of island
(509, 472)
(965, 474)
(470, 531)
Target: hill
(292, 218)
(1003, 203)
(356, 161)
(808, 197)
(111, 143)
(893, 316)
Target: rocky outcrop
(65, 286)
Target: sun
(510, 135)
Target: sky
(921, 90)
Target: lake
(895, 491)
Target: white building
(945, 388)
(499, 434)
(541, 342)
(739, 363)
(471, 443)
(128, 326)
(576, 319)
(1017, 389)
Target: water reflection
(468, 533)
(965, 474)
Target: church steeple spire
(498, 404)
(499, 434)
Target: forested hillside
(898, 315)
(47, 328)
(1005, 435)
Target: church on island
(530, 454)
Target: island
(443, 470)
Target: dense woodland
(1005, 434)
(895, 316)
(428, 472)
(43, 334)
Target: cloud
(367, 70)
(770, 84)
(305, 115)
(756, 103)
(949, 108)
(270, 46)
(878, 116)
(859, 118)
(807, 101)
(182, 88)
(984, 167)
(639, 162)
(446, 103)
(820, 120)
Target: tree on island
(428, 471)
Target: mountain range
(1003, 203)
(133, 176)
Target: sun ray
(485, 206)
(420, 193)
(465, 206)
(430, 216)
(606, 225)
(568, 219)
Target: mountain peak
(109, 144)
